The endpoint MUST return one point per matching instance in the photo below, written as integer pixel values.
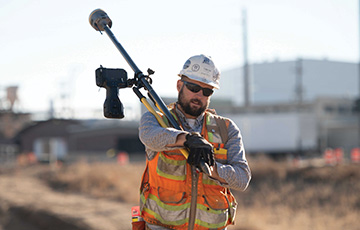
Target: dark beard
(186, 105)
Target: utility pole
(299, 91)
(299, 94)
(246, 63)
(357, 101)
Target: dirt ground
(100, 196)
(27, 203)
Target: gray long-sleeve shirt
(236, 172)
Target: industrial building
(294, 106)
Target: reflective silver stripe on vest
(178, 215)
(172, 169)
(166, 214)
(211, 218)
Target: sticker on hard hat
(207, 70)
(195, 68)
(206, 60)
(187, 64)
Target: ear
(179, 85)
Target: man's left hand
(200, 149)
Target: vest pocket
(220, 203)
(215, 212)
(171, 197)
(218, 208)
(216, 202)
(167, 207)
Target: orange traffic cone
(329, 156)
(339, 155)
(355, 155)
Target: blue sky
(49, 49)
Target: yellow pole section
(161, 121)
(151, 110)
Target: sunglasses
(196, 88)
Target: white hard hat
(201, 68)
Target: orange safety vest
(168, 184)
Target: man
(175, 191)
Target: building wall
(43, 130)
(275, 82)
(285, 132)
(343, 137)
(102, 139)
(80, 139)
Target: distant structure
(294, 81)
(9, 98)
(11, 95)
(73, 140)
(297, 106)
(11, 121)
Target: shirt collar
(183, 119)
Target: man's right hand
(199, 149)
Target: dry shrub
(281, 196)
(105, 180)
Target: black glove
(200, 149)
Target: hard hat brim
(202, 80)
